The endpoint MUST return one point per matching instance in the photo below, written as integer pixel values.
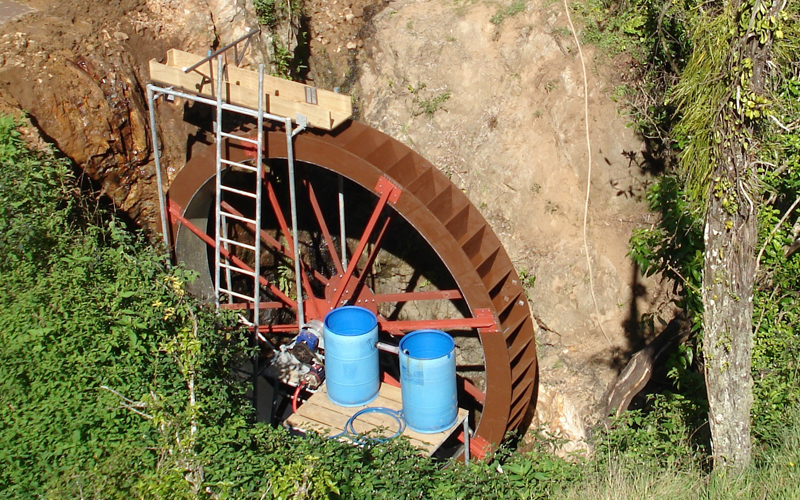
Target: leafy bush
(670, 432)
(106, 361)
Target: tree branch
(774, 230)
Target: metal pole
(217, 215)
(342, 236)
(169, 91)
(466, 440)
(259, 183)
(257, 235)
(220, 51)
(228, 275)
(162, 203)
(293, 206)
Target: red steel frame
(318, 307)
(483, 318)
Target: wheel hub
(354, 293)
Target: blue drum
(428, 380)
(351, 356)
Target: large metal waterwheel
(392, 196)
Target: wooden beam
(282, 97)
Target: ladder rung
(238, 243)
(238, 191)
(236, 294)
(237, 217)
(237, 164)
(238, 138)
(237, 269)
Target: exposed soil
(511, 135)
(497, 107)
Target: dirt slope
(511, 135)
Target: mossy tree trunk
(721, 97)
(728, 274)
(731, 237)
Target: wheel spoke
(436, 324)
(265, 236)
(371, 257)
(384, 298)
(312, 196)
(362, 244)
(273, 199)
(272, 242)
(291, 328)
(175, 211)
(472, 390)
(249, 306)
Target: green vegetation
(429, 105)
(115, 383)
(272, 15)
(507, 11)
(723, 121)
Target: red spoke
(273, 199)
(438, 324)
(478, 446)
(323, 227)
(374, 252)
(269, 240)
(413, 296)
(362, 244)
(472, 390)
(292, 328)
(265, 236)
(175, 210)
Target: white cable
(589, 174)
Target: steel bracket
(385, 185)
(491, 320)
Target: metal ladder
(224, 244)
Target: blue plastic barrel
(428, 380)
(351, 357)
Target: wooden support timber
(323, 109)
(321, 415)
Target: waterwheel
(424, 255)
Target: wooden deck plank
(320, 414)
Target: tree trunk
(728, 275)
(731, 236)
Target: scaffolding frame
(222, 244)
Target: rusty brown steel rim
(441, 214)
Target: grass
(507, 11)
(775, 474)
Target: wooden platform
(321, 415)
(322, 108)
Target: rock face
(93, 110)
(75, 69)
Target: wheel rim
(436, 210)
